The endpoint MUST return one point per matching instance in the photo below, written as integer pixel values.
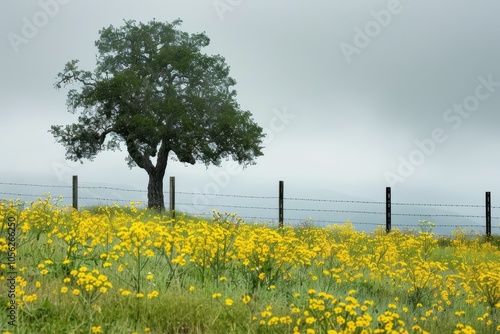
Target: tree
(156, 92)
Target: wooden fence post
(388, 209)
(172, 196)
(75, 192)
(280, 205)
(488, 214)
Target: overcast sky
(354, 95)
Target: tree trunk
(155, 190)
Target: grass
(128, 270)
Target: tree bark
(155, 190)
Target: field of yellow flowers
(127, 270)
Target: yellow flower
(310, 320)
(153, 294)
(76, 292)
(149, 277)
(246, 299)
(216, 295)
(96, 329)
(192, 288)
(64, 289)
(139, 295)
(30, 298)
(126, 293)
(229, 302)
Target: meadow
(122, 269)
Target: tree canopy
(154, 91)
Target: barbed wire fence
(364, 215)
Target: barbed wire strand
(255, 197)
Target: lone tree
(154, 90)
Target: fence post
(172, 196)
(388, 209)
(280, 207)
(488, 214)
(75, 192)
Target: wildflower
(96, 329)
(191, 288)
(229, 302)
(216, 295)
(246, 299)
(126, 293)
(64, 289)
(76, 292)
(310, 320)
(153, 294)
(30, 298)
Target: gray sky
(345, 90)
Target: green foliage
(124, 270)
(156, 92)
